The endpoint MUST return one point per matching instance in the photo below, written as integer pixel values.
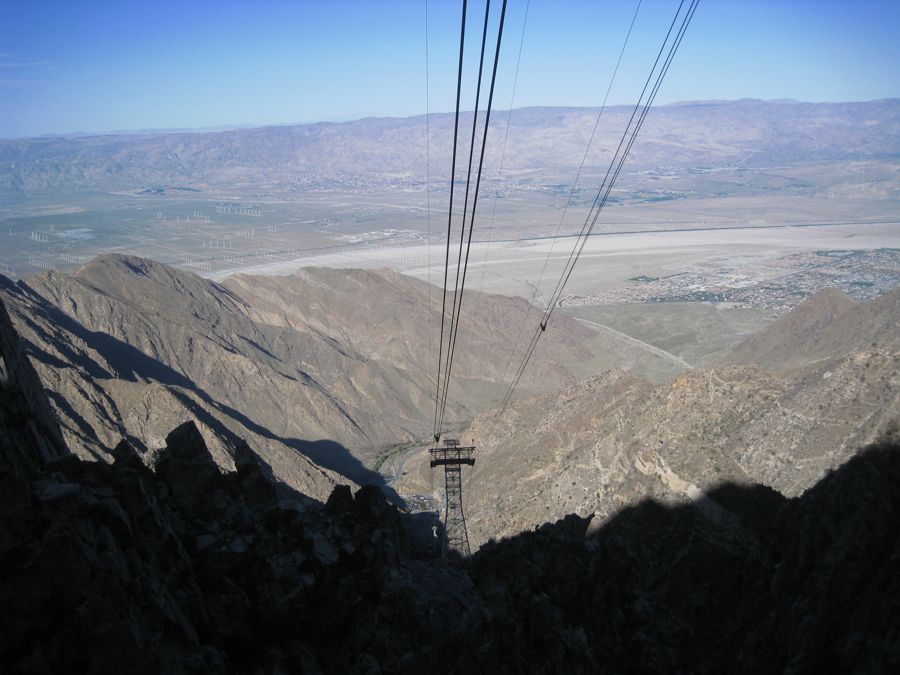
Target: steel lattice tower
(451, 456)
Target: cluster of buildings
(776, 287)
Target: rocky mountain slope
(608, 442)
(324, 366)
(827, 326)
(180, 568)
(542, 142)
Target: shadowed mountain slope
(112, 568)
(325, 365)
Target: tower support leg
(455, 535)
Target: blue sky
(102, 65)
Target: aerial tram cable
(609, 184)
(631, 131)
(459, 291)
(454, 333)
(585, 156)
(462, 42)
(462, 230)
(572, 191)
(599, 201)
(428, 187)
(512, 100)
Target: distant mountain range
(543, 144)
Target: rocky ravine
(608, 442)
(179, 568)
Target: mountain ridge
(240, 127)
(130, 348)
(362, 153)
(826, 325)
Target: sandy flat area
(514, 267)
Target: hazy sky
(101, 65)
